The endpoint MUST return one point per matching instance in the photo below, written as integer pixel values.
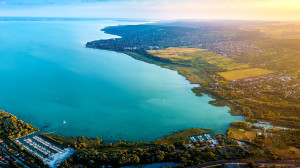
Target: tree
(251, 164)
(91, 162)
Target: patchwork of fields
(204, 59)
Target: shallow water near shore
(49, 79)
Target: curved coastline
(243, 143)
(50, 128)
(218, 101)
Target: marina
(200, 138)
(50, 153)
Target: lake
(49, 79)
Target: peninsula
(244, 64)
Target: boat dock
(52, 154)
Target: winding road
(266, 162)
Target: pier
(49, 152)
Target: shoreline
(222, 94)
(42, 126)
(235, 109)
(242, 140)
(198, 91)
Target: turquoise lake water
(48, 77)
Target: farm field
(173, 52)
(204, 59)
(244, 73)
(196, 56)
(241, 134)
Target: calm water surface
(48, 77)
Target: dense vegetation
(91, 152)
(171, 148)
(286, 137)
(159, 153)
(12, 127)
(241, 124)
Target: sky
(155, 9)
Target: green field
(172, 52)
(241, 134)
(202, 59)
(244, 73)
(197, 56)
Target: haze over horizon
(155, 9)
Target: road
(269, 162)
(11, 155)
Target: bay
(49, 79)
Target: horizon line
(144, 19)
